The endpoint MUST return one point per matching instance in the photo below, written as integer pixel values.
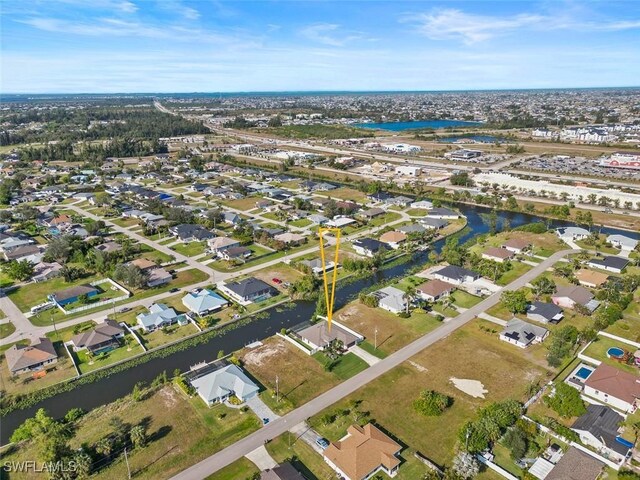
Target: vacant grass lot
(301, 223)
(393, 332)
(300, 377)
(240, 469)
(346, 193)
(181, 432)
(465, 300)
(543, 244)
(465, 354)
(173, 333)
(190, 249)
(6, 329)
(86, 365)
(304, 458)
(243, 204)
(33, 294)
(517, 270)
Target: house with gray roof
(544, 312)
(523, 334)
(623, 242)
(391, 299)
(572, 295)
(203, 302)
(433, 223)
(159, 316)
(443, 213)
(104, 337)
(610, 264)
(599, 429)
(218, 385)
(248, 290)
(318, 336)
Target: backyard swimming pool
(584, 373)
(615, 352)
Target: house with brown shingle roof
(433, 290)
(516, 245)
(498, 254)
(613, 387)
(363, 452)
(31, 358)
(576, 465)
(591, 279)
(393, 239)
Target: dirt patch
(473, 388)
(168, 396)
(261, 354)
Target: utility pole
(126, 459)
(277, 389)
(54, 323)
(375, 336)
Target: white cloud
(450, 23)
(328, 34)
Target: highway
(249, 443)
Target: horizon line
(347, 91)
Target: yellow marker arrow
(329, 297)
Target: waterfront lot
(181, 432)
(465, 354)
(543, 244)
(300, 376)
(168, 335)
(87, 363)
(393, 332)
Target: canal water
(120, 384)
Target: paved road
(278, 427)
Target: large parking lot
(575, 165)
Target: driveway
(261, 458)
(364, 355)
(260, 409)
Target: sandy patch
(473, 388)
(348, 312)
(418, 367)
(168, 397)
(258, 356)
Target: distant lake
(434, 124)
(475, 138)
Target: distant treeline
(66, 125)
(93, 153)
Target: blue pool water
(400, 126)
(584, 373)
(615, 352)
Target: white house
(392, 299)
(598, 428)
(218, 385)
(623, 242)
(613, 387)
(523, 334)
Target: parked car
(125, 309)
(323, 443)
(174, 290)
(277, 281)
(265, 420)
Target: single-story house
(284, 471)
(433, 223)
(392, 299)
(318, 219)
(371, 213)
(443, 214)
(422, 204)
(220, 244)
(434, 290)
(203, 302)
(576, 465)
(70, 295)
(158, 276)
(218, 385)
(316, 265)
(159, 316)
(456, 275)
(610, 264)
(340, 222)
(413, 228)
(109, 247)
(573, 233)
(248, 290)
(569, 296)
(394, 239)
(289, 238)
(516, 245)
(43, 271)
(186, 233)
(614, 387)
(104, 337)
(544, 312)
(21, 252)
(498, 254)
(235, 253)
(30, 358)
(143, 264)
(318, 335)
(599, 429)
(591, 279)
(624, 243)
(362, 453)
(523, 334)
(369, 246)
(232, 218)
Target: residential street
(278, 427)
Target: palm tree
(104, 446)
(138, 436)
(408, 297)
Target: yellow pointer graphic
(329, 298)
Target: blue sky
(71, 46)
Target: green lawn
(239, 470)
(303, 222)
(517, 270)
(33, 294)
(304, 458)
(6, 329)
(154, 255)
(417, 212)
(384, 219)
(109, 358)
(124, 222)
(65, 334)
(191, 249)
(173, 333)
(346, 366)
(598, 350)
(464, 299)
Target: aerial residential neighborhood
(320, 240)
